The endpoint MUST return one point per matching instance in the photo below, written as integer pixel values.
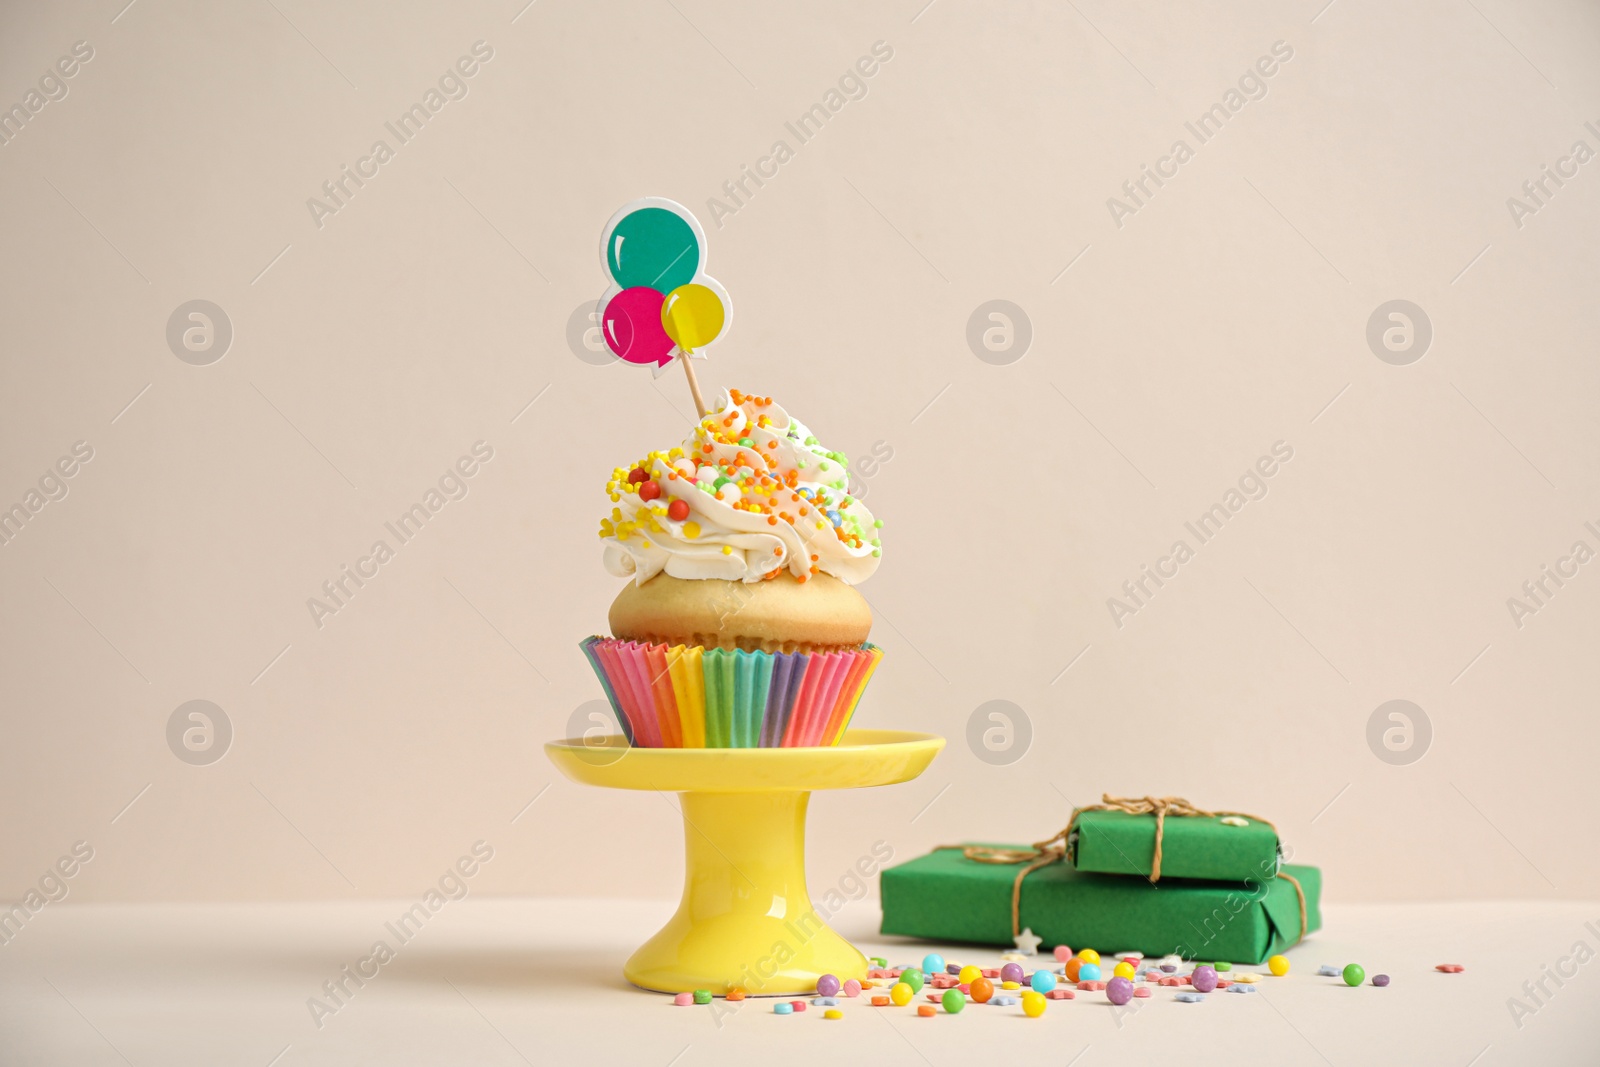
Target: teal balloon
(653, 247)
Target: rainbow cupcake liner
(683, 697)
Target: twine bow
(1061, 844)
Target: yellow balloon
(692, 316)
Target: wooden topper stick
(694, 384)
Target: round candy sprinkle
(982, 989)
(1204, 978)
(649, 490)
(1073, 969)
(1089, 972)
(683, 1000)
(927, 1011)
(932, 963)
(1278, 965)
(954, 1000)
(1450, 968)
(1033, 1004)
(827, 985)
(1088, 955)
(1063, 953)
(702, 996)
(833, 1013)
(1222, 965)
(783, 1007)
(879, 961)
(1354, 975)
(952, 968)
(1380, 979)
(1124, 970)
(880, 1002)
(851, 988)
(1042, 981)
(1119, 991)
(798, 1005)
(901, 994)
(969, 973)
(1011, 972)
(735, 994)
(1141, 991)
(678, 510)
(637, 475)
(1010, 985)
(912, 978)
(1169, 968)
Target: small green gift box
(950, 896)
(1163, 839)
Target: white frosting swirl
(761, 495)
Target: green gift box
(1192, 846)
(945, 896)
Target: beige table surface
(513, 981)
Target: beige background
(1229, 313)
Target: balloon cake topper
(661, 302)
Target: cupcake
(740, 625)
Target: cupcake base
(695, 697)
(779, 614)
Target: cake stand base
(746, 920)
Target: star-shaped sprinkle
(1028, 942)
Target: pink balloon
(632, 326)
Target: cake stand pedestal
(745, 919)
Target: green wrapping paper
(1192, 846)
(944, 896)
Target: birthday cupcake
(740, 625)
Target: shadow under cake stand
(744, 822)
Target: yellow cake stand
(745, 920)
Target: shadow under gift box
(692, 697)
(944, 896)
